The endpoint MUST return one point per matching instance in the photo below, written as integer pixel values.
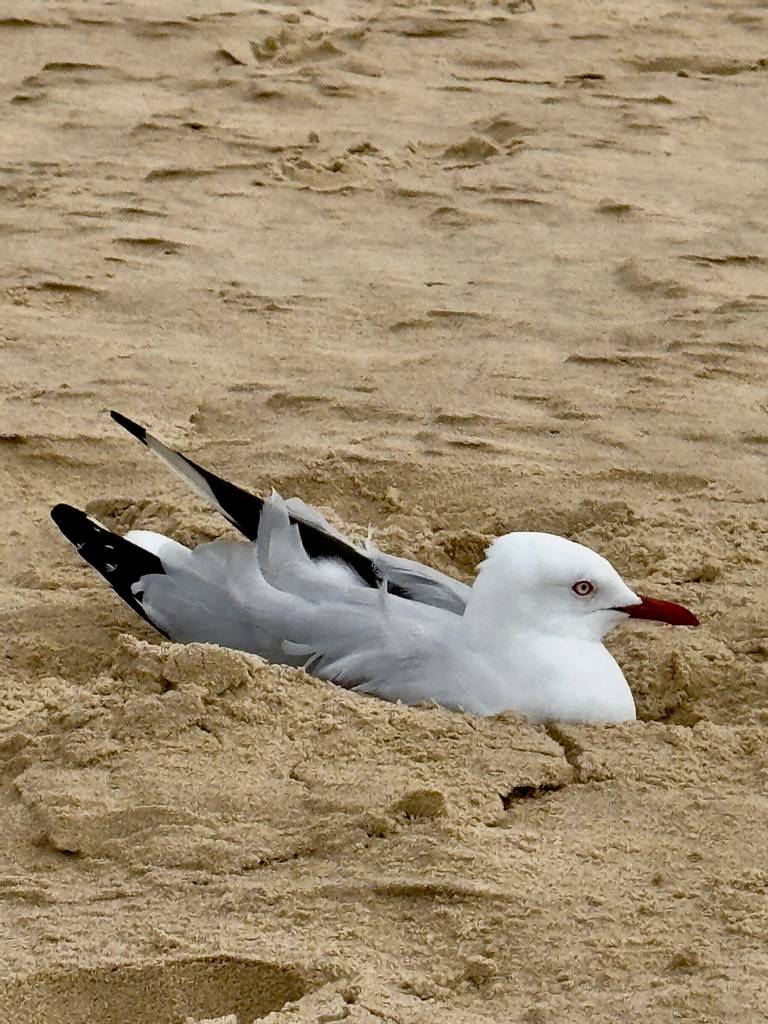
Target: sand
(448, 271)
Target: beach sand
(447, 271)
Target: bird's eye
(582, 588)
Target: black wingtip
(68, 519)
(243, 510)
(136, 429)
(119, 561)
(58, 511)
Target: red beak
(660, 611)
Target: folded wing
(404, 577)
(270, 598)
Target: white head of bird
(540, 607)
(545, 583)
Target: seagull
(526, 636)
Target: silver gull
(526, 637)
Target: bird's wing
(318, 608)
(270, 598)
(202, 609)
(350, 634)
(243, 510)
(208, 595)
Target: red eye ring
(582, 588)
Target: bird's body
(526, 637)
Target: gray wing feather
(422, 583)
(270, 598)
